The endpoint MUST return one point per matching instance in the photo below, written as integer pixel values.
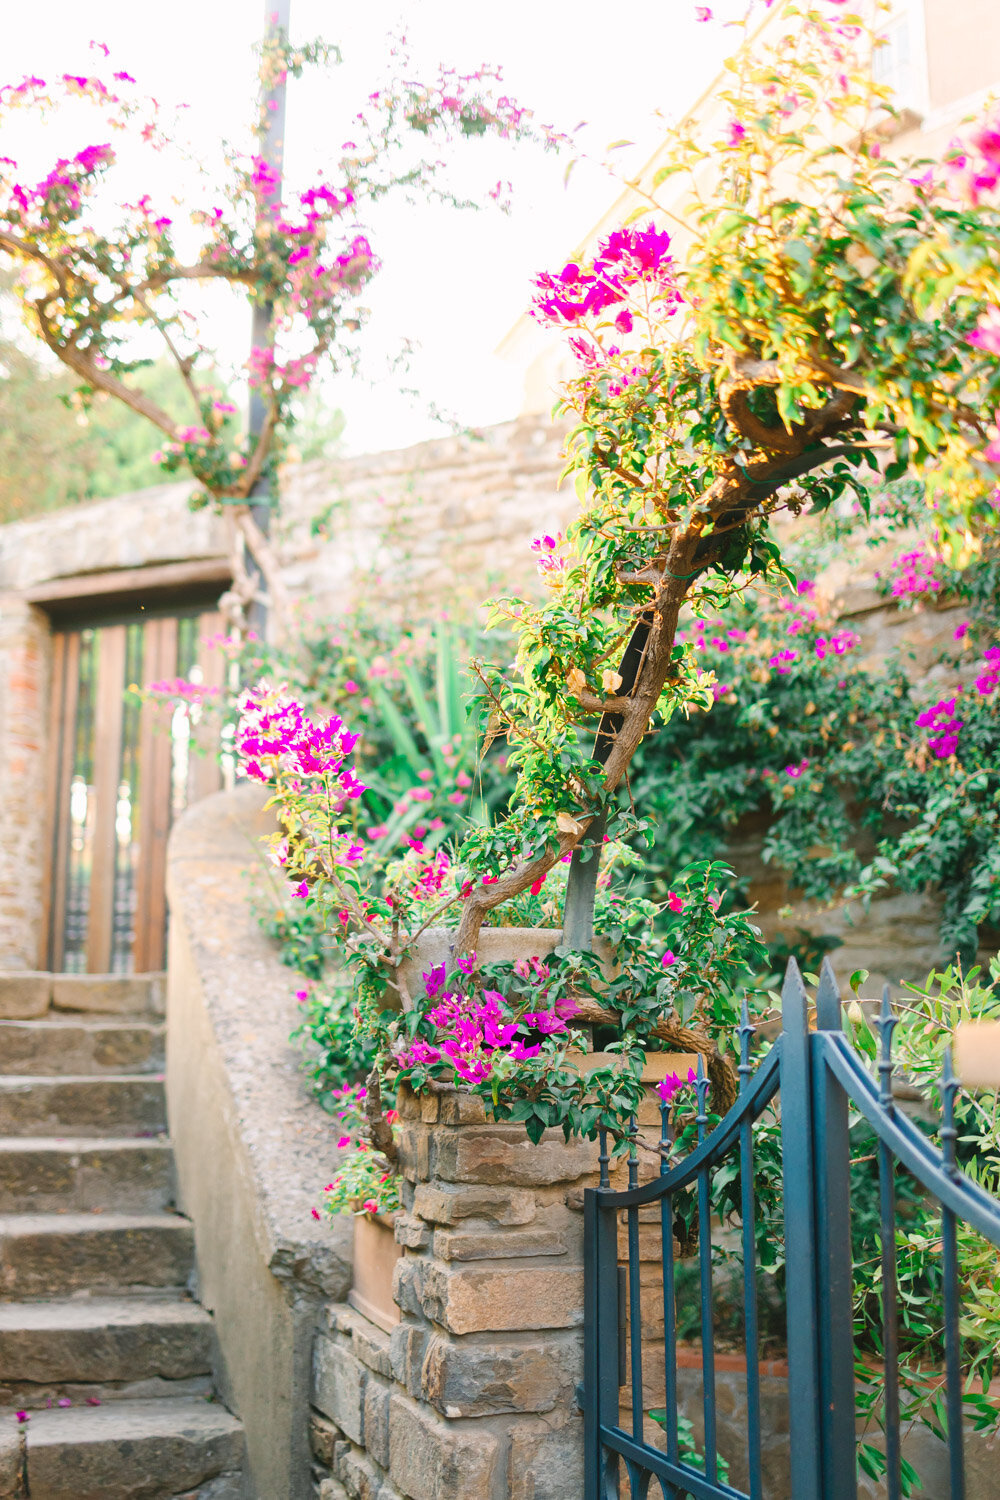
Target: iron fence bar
(952, 1308)
(687, 1480)
(610, 1330)
(887, 1232)
(705, 1268)
(591, 1348)
(967, 1201)
(751, 1335)
(800, 1241)
(669, 1299)
(834, 1262)
(635, 1322)
(718, 1145)
(634, 1290)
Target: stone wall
(25, 663)
(473, 1393)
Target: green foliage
(823, 753)
(335, 1056)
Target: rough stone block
(502, 1154)
(57, 1047)
(339, 1387)
(371, 1346)
(82, 1106)
(407, 1344)
(358, 1474)
(332, 1489)
(472, 1380)
(497, 1244)
(439, 1204)
(87, 1452)
(96, 1339)
(407, 1278)
(48, 1256)
(458, 1108)
(430, 1459)
(473, 1301)
(24, 995)
(413, 1142)
(545, 1464)
(377, 1421)
(12, 1465)
(110, 994)
(412, 1232)
(322, 1436)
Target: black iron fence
(823, 1084)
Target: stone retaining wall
(252, 1149)
(474, 1392)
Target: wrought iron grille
(821, 1081)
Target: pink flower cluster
(802, 614)
(627, 258)
(974, 167)
(476, 1032)
(989, 678)
(670, 1086)
(551, 563)
(782, 661)
(722, 639)
(944, 726)
(986, 334)
(275, 736)
(914, 574)
(844, 640)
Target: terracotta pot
(375, 1257)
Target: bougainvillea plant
(824, 312)
(105, 277)
(504, 1031)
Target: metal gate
(821, 1081)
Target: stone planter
(375, 1257)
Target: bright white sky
(453, 282)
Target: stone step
(52, 1255)
(64, 1045)
(133, 1450)
(115, 1105)
(45, 1175)
(99, 1347)
(26, 994)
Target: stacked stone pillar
(474, 1392)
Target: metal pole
(272, 148)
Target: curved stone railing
(253, 1150)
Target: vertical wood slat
(205, 775)
(159, 662)
(107, 776)
(63, 694)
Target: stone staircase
(102, 1346)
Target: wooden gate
(120, 770)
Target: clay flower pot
(375, 1257)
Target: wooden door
(120, 772)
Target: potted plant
(364, 1185)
